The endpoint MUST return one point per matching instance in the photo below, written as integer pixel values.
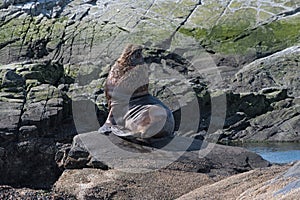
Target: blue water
(277, 152)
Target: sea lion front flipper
(105, 129)
(123, 132)
(129, 135)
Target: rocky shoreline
(229, 70)
(276, 182)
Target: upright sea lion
(133, 112)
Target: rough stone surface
(271, 183)
(74, 29)
(34, 116)
(8, 192)
(178, 153)
(266, 125)
(278, 70)
(114, 184)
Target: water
(276, 152)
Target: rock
(12, 98)
(77, 158)
(267, 127)
(8, 192)
(43, 108)
(46, 72)
(32, 161)
(26, 132)
(10, 115)
(227, 29)
(268, 183)
(293, 172)
(114, 184)
(33, 117)
(61, 154)
(232, 35)
(256, 184)
(12, 79)
(47, 8)
(252, 117)
(22, 99)
(277, 70)
(179, 153)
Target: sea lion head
(131, 56)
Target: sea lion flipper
(105, 129)
(129, 135)
(122, 131)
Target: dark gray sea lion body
(133, 112)
(149, 116)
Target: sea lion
(133, 112)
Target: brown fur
(125, 63)
(146, 116)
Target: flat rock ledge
(108, 167)
(95, 150)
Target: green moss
(230, 38)
(32, 83)
(286, 30)
(273, 9)
(29, 29)
(198, 33)
(270, 38)
(71, 71)
(236, 4)
(264, 15)
(42, 93)
(279, 1)
(11, 30)
(291, 4)
(225, 32)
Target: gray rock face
(178, 153)
(33, 117)
(271, 116)
(277, 182)
(75, 29)
(30, 96)
(268, 90)
(278, 70)
(294, 183)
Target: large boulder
(278, 70)
(178, 153)
(163, 169)
(269, 115)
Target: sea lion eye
(136, 55)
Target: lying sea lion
(133, 112)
